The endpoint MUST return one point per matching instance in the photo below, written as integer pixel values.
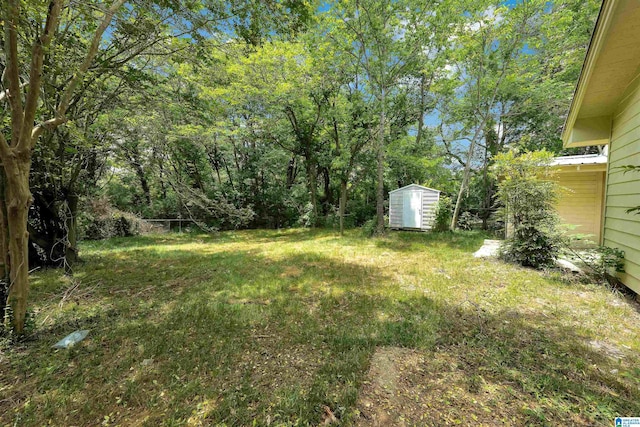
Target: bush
(308, 219)
(101, 221)
(605, 262)
(444, 211)
(466, 220)
(369, 227)
(528, 197)
(531, 247)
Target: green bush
(605, 262)
(101, 221)
(531, 247)
(466, 220)
(369, 227)
(528, 196)
(444, 211)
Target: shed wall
(622, 229)
(395, 209)
(429, 203)
(396, 204)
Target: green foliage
(632, 168)
(7, 332)
(605, 261)
(444, 211)
(270, 129)
(101, 221)
(369, 228)
(528, 196)
(467, 220)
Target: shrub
(466, 220)
(604, 262)
(369, 227)
(528, 197)
(444, 211)
(102, 221)
(308, 219)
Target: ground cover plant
(277, 327)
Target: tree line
(266, 114)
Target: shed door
(412, 209)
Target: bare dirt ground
(405, 387)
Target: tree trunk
(4, 239)
(329, 201)
(463, 186)
(380, 168)
(71, 222)
(291, 172)
(488, 193)
(4, 248)
(421, 112)
(134, 159)
(18, 201)
(343, 203)
(313, 191)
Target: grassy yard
(269, 327)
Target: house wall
(621, 229)
(581, 205)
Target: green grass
(266, 327)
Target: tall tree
(385, 39)
(17, 147)
(489, 44)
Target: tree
(490, 44)
(16, 148)
(528, 195)
(143, 27)
(385, 40)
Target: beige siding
(581, 202)
(622, 229)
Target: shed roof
(585, 159)
(610, 66)
(421, 187)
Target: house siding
(581, 204)
(622, 229)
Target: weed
(271, 327)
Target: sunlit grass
(269, 326)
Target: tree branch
(68, 92)
(5, 150)
(35, 73)
(6, 94)
(12, 70)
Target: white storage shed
(413, 207)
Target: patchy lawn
(294, 327)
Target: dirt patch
(273, 368)
(383, 399)
(406, 387)
(291, 271)
(607, 349)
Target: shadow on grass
(234, 337)
(405, 241)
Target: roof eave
(595, 46)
